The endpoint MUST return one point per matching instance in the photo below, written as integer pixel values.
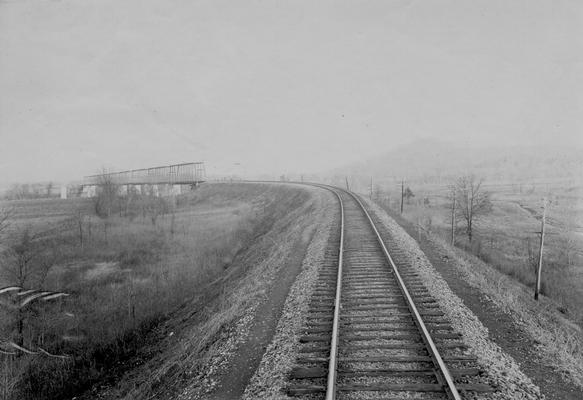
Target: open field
(125, 275)
(507, 237)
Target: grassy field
(507, 237)
(124, 274)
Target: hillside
(434, 161)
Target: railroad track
(372, 330)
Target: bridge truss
(178, 174)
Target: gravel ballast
(270, 378)
(502, 370)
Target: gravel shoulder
(267, 335)
(507, 342)
(244, 361)
(270, 378)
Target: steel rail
(419, 321)
(332, 365)
(333, 361)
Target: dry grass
(506, 238)
(560, 339)
(501, 270)
(190, 359)
(124, 283)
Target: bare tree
(17, 302)
(29, 257)
(568, 242)
(79, 219)
(473, 201)
(5, 215)
(106, 199)
(28, 260)
(50, 187)
(156, 206)
(408, 194)
(452, 208)
(152, 204)
(531, 258)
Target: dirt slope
(233, 319)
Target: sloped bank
(190, 351)
(270, 379)
(517, 340)
(269, 382)
(304, 243)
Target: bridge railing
(187, 173)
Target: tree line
(27, 191)
(468, 202)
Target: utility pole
(540, 253)
(453, 218)
(371, 187)
(347, 186)
(402, 193)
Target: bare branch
(473, 202)
(6, 215)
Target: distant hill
(435, 161)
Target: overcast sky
(278, 86)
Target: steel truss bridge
(165, 180)
(178, 174)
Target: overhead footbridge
(179, 174)
(166, 179)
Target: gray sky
(278, 85)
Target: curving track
(372, 330)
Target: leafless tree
(531, 257)
(453, 213)
(6, 215)
(568, 242)
(14, 192)
(152, 204)
(106, 199)
(107, 194)
(473, 202)
(156, 206)
(79, 219)
(28, 258)
(26, 263)
(50, 187)
(408, 194)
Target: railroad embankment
(202, 345)
(160, 297)
(535, 335)
(272, 375)
(501, 368)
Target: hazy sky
(278, 85)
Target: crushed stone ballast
(372, 327)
